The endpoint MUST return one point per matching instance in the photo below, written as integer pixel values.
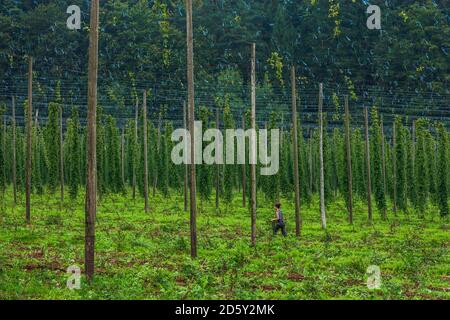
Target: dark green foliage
(376, 155)
(359, 176)
(52, 140)
(338, 161)
(73, 154)
(271, 185)
(204, 181)
(431, 154)
(303, 166)
(132, 151)
(2, 153)
(163, 162)
(421, 167)
(327, 161)
(229, 170)
(102, 168)
(286, 166)
(442, 170)
(274, 25)
(401, 157)
(112, 157)
(38, 158)
(153, 146)
(410, 166)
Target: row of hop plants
(418, 161)
(419, 165)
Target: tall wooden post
(244, 173)
(14, 161)
(186, 176)
(369, 182)
(298, 219)
(348, 151)
(61, 153)
(145, 137)
(253, 147)
(191, 107)
(394, 165)
(29, 140)
(91, 185)
(322, 178)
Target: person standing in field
(278, 221)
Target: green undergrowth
(147, 255)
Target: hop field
(146, 255)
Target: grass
(146, 256)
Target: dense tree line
(142, 44)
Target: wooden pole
(186, 175)
(61, 152)
(298, 218)
(253, 146)
(191, 107)
(91, 185)
(394, 165)
(369, 182)
(14, 164)
(322, 178)
(244, 173)
(145, 136)
(348, 150)
(29, 140)
(383, 162)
